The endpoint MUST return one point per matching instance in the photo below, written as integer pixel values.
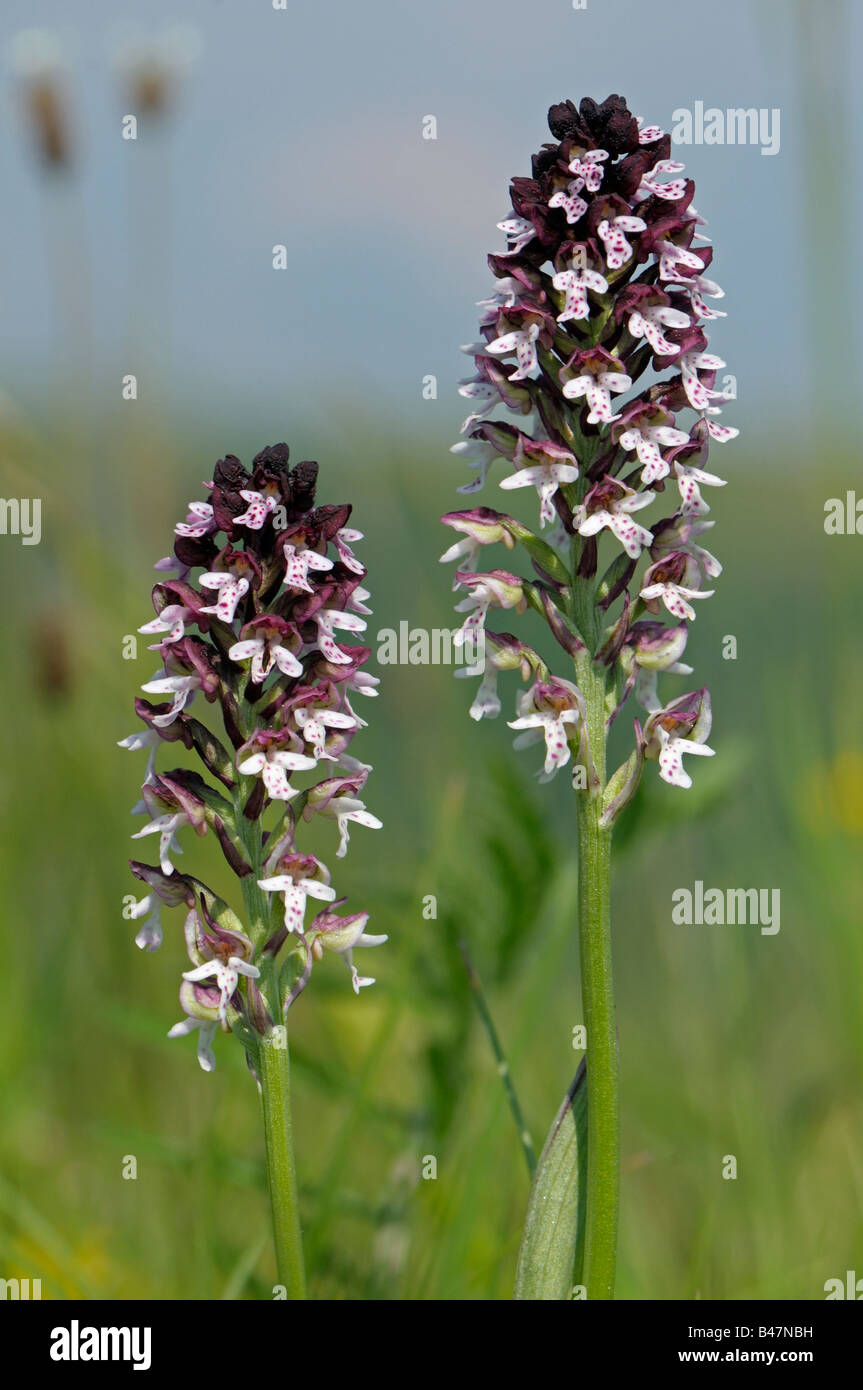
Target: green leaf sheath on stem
(551, 1253)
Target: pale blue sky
(304, 127)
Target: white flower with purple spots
(484, 394)
(183, 689)
(674, 580)
(171, 620)
(555, 467)
(588, 167)
(199, 522)
(265, 650)
(652, 184)
(517, 230)
(274, 763)
(680, 728)
(230, 589)
(166, 827)
(688, 480)
(648, 134)
(548, 711)
(521, 341)
(327, 620)
(672, 256)
(298, 561)
(600, 374)
(696, 287)
(612, 234)
(302, 877)
(575, 283)
(691, 362)
(344, 538)
(645, 434)
(334, 800)
(648, 320)
(721, 433)
(225, 970)
(314, 720)
(608, 506)
(261, 505)
(568, 198)
(497, 589)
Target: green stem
(597, 991)
(274, 1070)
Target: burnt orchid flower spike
(594, 387)
(254, 612)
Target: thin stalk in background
(503, 1069)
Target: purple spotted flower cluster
(253, 612)
(594, 385)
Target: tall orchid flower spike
(596, 388)
(245, 633)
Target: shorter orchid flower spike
(265, 578)
(681, 727)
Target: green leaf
(549, 1260)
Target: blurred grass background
(732, 1043)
